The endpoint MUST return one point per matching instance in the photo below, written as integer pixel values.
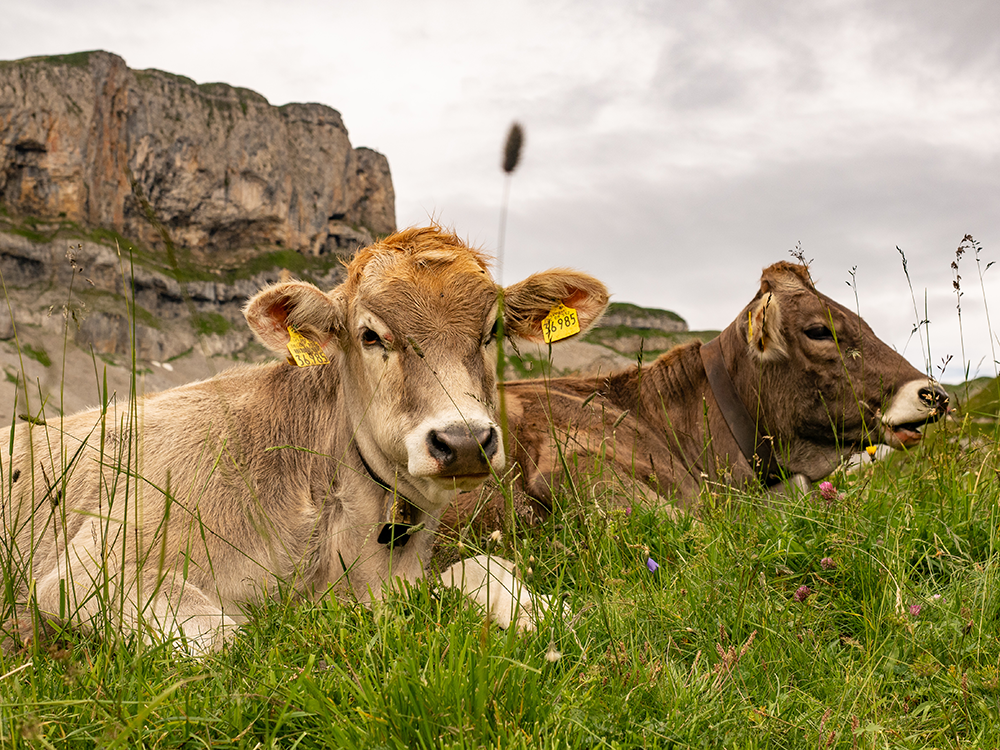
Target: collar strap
(393, 533)
(758, 449)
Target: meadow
(862, 614)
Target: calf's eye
(819, 333)
(492, 336)
(370, 339)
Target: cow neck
(756, 446)
(394, 533)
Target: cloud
(672, 148)
(950, 39)
(697, 247)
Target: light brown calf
(165, 517)
(791, 387)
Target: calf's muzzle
(462, 450)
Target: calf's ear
(763, 326)
(314, 314)
(528, 302)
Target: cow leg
(796, 484)
(491, 583)
(181, 610)
(83, 587)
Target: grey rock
(83, 136)
(6, 323)
(651, 321)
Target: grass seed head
(512, 148)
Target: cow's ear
(529, 302)
(314, 314)
(763, 326)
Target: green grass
(986, 403)
(100, 299)
(205, 324)
(895, 642)
(613, 336)
(74, 59)
(648, 312)
(524, 365)
(869, 621)
(186, 268)
(39, 355)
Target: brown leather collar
(399, 517)
(755, 445)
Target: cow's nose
(935, 397)
(461, 452)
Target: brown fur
(656, 433)
(165, 518)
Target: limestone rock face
(222, 170)
(631, 316)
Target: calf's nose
(462, 452)
(935, 397)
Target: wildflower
(495, 536)
(828, 491)
(802, 592)
(871, 450)
(652, 565)
(552, 655)
(827, 563)
(915, 609)
(628, 510)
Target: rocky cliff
(222, 169)
(643, 318)
(139, 210)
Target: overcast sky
(673, 149)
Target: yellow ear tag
(304, 351)
(560, 323)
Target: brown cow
(167, 516)
(791, 387)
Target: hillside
(616, 342)
(983, 401)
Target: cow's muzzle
(463, 451)
(917, 403)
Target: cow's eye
(819, 333)
(492, 336)
(370, 339)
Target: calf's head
(411, 335)
(824, 382)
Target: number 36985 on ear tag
(560, 323)
(304, 351)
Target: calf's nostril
(440, 449)
(489, 442)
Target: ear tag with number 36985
(303, 351)
(560, 323)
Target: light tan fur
(164, 516)
(810, 371)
